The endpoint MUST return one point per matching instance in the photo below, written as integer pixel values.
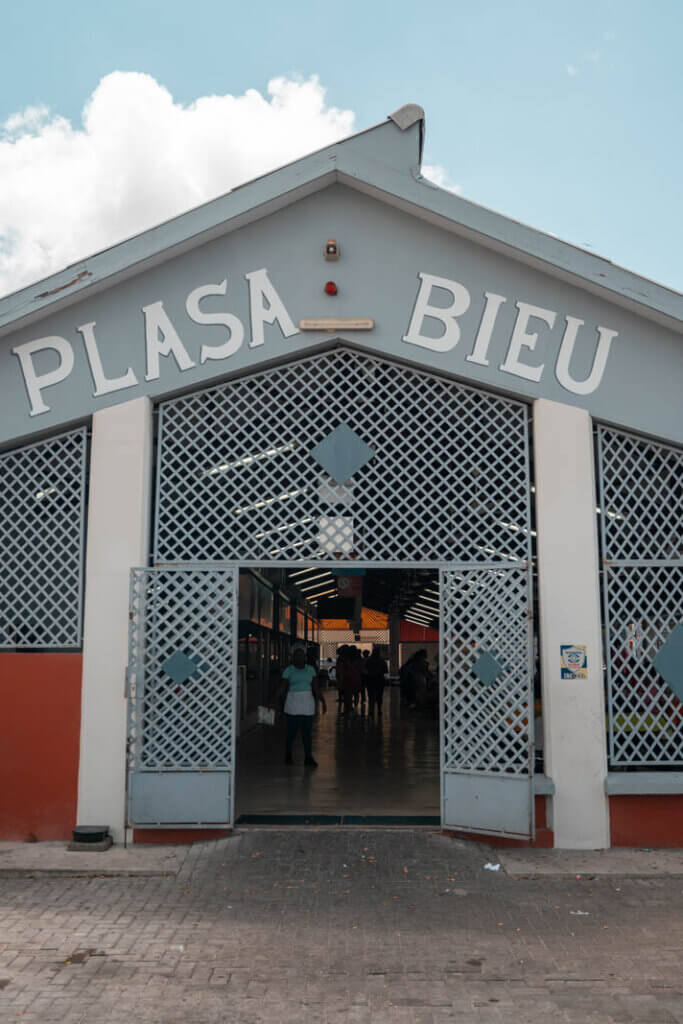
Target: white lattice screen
(486, 612)
(181, 662)
(42, 531)
(441, 471)
(641, 487)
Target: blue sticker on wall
(573, 661)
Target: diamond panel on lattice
(645, 603)
(486, 728)
(448, 479)
(181, 725)
(42, 509)
(641, 498)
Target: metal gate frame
(474, 784)
(136, 674)
(148, 784)
(483, 781)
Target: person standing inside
(376, 670)
(342, 661)
(300, 683)
(353, 678)
(349, 676)
(364, 677)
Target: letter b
(447, 315)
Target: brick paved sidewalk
(340, 926)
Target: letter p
(35, 382)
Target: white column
(568, 584)
(118, 539)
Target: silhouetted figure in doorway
(413, 676)
(375, 675)
(349, 665)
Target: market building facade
(341, 366)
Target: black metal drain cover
(90, 833)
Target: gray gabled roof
(384, 162)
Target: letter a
(262, 291)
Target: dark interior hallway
(386, 766)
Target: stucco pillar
(118, 539)
(568, 587)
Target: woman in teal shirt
(300, 682)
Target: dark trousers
(349, 698)
(375, 694)
(305, 724)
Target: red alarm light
(330, 288)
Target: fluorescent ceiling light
(223, 467)
(40, 495)
(269, 501)
(308, 582)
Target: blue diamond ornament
(342, 453)
(179, 667)
(669, 661)
(487, 668)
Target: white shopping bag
(266, 716)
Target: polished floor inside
(384, 766)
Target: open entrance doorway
(372, 636)
(394, 468)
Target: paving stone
(340, 925)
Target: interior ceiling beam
(385, 590)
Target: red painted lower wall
(646, 820)
(40, 724)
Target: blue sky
(567, 116)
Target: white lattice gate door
(181, 686)
(487, 692)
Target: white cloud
(440, 176)
(138, 159)
(571, 70)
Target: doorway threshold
(412, 820)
